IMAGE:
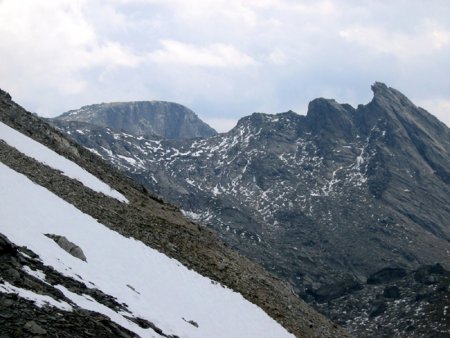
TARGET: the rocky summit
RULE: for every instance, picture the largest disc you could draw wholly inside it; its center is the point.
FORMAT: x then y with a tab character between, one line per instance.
324	200
165	119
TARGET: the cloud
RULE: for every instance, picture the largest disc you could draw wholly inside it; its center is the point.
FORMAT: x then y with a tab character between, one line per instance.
213	55
50	43
222	58
430	39
278	57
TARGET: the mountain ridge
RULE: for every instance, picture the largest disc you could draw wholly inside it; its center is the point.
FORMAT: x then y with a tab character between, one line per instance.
321	199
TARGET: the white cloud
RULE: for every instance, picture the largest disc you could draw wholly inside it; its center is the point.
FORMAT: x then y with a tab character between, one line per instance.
278	57
213	55
427	41
50	43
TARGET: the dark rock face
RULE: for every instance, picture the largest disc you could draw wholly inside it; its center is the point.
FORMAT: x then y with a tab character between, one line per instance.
165	119
400	307
321	199
386	275
328	292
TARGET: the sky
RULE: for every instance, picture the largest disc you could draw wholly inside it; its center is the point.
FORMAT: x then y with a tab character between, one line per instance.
224	59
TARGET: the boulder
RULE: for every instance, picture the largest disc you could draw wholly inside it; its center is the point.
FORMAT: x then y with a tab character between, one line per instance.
34	328
335	290
68	246
386	275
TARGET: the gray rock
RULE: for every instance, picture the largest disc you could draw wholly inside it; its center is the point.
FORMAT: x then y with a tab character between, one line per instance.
386	275
32	327
68	246
336	290
13	274
164	119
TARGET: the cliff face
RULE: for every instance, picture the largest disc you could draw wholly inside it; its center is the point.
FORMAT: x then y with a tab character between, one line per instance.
165	119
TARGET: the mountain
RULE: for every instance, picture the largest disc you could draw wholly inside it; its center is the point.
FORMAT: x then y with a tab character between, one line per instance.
86	251
166	119
324	200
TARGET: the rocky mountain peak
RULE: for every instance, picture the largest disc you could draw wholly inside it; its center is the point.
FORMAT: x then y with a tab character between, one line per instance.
382	91
331	119
379	88
266	128
411	130
165	119
390	102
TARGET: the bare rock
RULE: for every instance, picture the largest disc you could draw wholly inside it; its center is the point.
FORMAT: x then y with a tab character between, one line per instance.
68	246
34	328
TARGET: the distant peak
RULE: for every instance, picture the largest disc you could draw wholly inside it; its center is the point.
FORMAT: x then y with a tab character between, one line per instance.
378	87
380	90
166	119
322	103
384	94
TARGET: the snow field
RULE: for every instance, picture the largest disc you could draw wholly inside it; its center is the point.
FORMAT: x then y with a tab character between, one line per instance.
41	153
165	292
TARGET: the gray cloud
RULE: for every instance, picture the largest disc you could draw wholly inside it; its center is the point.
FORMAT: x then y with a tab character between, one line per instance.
223	59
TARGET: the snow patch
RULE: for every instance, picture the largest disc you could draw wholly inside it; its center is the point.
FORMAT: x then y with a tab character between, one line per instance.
41	153
39	300
130	160
35	273
192	215
89	303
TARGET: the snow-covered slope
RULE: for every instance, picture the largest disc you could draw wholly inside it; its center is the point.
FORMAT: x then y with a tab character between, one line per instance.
47	156
153	286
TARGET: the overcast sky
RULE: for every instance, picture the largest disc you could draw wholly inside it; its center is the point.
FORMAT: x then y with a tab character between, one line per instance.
224	59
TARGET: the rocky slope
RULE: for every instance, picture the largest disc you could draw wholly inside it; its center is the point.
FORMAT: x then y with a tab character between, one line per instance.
165	119
320	200
393	303
144	217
